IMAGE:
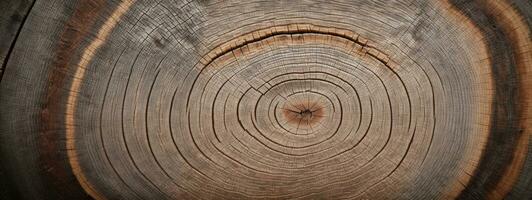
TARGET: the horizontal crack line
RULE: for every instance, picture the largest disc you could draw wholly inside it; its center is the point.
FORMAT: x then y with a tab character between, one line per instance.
251	38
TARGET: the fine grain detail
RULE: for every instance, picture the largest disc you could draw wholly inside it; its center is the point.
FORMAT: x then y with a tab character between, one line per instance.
264	99
70	123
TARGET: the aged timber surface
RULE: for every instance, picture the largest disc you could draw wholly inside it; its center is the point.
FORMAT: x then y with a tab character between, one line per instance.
13	16
262	99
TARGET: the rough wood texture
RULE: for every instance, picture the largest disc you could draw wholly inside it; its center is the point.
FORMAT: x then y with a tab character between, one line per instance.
262	99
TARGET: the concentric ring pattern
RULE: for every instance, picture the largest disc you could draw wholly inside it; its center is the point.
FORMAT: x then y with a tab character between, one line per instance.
273	100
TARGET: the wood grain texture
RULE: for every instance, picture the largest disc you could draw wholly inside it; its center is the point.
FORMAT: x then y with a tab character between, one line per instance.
14	14
260	99
11	20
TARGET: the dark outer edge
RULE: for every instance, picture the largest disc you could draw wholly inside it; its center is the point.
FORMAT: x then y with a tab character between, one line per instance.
52	136
504	128
523	187
12	20
504	119
11	23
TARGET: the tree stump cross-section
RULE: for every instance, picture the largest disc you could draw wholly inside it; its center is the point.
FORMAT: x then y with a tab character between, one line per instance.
263	99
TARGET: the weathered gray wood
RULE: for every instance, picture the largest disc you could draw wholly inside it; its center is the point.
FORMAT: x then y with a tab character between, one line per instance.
12	19
344	99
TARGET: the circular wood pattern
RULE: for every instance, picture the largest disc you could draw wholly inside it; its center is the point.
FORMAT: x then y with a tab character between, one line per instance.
261	99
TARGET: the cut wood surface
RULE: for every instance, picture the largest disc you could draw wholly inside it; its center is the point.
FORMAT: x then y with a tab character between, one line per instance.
262	99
